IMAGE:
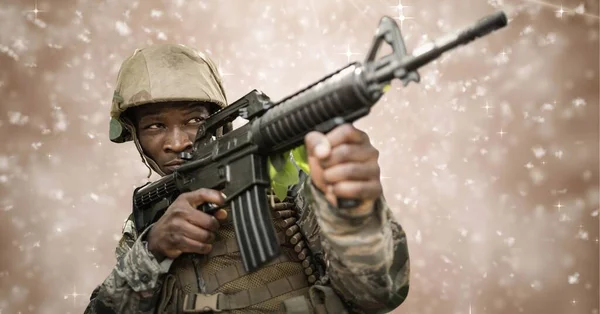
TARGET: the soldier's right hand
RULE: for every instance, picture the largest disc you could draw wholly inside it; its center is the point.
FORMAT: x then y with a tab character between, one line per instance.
185	229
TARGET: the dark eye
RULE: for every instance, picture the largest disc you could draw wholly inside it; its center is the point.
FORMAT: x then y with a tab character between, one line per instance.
154	126
195	120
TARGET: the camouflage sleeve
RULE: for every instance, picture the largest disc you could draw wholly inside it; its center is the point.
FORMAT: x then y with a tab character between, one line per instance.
134	283
366	260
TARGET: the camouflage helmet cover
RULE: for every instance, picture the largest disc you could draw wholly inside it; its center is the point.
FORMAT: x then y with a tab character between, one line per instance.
162	73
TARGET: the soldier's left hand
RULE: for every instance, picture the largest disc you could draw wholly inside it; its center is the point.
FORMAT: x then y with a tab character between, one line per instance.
344	163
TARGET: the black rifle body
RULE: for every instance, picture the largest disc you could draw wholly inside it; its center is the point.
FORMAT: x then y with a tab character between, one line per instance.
237	162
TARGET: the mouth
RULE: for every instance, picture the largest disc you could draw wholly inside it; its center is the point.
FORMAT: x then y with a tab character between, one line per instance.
174	164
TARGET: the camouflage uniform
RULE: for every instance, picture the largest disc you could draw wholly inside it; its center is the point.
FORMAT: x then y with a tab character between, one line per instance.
361	265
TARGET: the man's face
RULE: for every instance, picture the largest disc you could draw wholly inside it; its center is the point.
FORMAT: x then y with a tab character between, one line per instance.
167	129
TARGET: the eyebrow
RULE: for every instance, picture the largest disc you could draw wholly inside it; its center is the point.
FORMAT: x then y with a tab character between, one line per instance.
188	108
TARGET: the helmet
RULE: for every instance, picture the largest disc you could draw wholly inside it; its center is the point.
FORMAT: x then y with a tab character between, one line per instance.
162	73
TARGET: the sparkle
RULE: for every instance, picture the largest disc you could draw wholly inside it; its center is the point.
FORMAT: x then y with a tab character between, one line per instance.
487	107
559	205
35	10
502	57
401	17
501	133
349	53
400	7
560	12
73	295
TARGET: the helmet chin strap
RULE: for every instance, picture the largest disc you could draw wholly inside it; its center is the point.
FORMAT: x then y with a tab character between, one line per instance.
148	162
152	166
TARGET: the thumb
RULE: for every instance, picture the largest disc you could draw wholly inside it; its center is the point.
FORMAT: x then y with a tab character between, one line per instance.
317	145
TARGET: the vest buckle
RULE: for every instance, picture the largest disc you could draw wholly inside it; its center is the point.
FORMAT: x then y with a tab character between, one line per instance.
201	303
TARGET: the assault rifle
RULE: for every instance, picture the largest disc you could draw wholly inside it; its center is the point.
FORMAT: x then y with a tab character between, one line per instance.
237	162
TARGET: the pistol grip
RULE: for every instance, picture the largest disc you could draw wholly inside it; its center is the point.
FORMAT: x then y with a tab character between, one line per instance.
209	208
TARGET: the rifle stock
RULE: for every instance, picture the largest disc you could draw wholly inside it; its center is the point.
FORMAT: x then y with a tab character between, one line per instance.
236	163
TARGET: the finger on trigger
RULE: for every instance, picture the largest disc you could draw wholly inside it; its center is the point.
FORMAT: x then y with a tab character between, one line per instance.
317	145
200	196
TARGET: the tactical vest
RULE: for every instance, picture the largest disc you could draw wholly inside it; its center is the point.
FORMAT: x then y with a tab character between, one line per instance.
217	282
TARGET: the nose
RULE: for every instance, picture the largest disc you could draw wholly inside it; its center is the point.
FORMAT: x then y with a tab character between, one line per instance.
177	141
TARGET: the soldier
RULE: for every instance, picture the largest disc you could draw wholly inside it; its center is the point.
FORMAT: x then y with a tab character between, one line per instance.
331	261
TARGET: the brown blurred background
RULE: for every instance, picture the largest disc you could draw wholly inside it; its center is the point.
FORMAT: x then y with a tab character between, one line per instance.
490	163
